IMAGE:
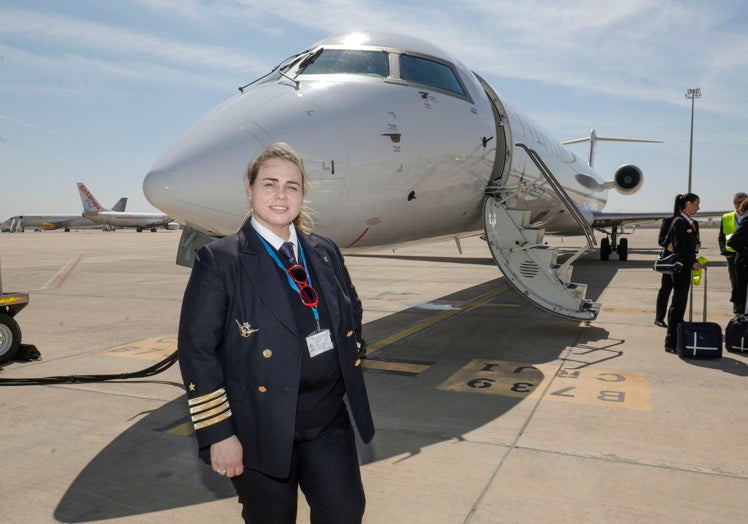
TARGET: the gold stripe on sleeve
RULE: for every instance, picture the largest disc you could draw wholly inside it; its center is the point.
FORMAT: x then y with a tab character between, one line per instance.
214	420
207	414
212	403
206	398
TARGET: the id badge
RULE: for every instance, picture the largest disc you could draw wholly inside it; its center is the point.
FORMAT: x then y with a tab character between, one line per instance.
319	342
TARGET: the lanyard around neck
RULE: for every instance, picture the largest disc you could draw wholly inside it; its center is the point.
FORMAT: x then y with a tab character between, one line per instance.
280	264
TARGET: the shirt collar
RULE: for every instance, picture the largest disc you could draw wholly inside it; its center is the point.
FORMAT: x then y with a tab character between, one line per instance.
690	220
273	239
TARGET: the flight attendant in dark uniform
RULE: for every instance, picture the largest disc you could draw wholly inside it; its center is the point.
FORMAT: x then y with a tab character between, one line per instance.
684	238
269	340
666	281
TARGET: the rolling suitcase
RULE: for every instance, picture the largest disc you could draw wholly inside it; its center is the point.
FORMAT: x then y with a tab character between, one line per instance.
736	333
699	339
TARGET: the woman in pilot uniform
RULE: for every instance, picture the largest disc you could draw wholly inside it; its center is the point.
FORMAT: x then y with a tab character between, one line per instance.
269	339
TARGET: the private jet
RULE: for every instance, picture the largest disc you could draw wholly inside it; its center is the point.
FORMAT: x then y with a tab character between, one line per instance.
404	144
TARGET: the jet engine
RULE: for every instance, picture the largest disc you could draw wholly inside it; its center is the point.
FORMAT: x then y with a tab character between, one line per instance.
627	180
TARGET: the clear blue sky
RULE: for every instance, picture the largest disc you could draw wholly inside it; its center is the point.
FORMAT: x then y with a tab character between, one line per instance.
95	90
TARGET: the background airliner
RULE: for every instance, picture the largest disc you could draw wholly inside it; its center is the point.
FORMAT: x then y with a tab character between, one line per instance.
48	222
405	144
96	213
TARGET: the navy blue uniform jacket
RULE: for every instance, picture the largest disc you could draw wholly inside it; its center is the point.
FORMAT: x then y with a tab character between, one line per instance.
238	346
685	237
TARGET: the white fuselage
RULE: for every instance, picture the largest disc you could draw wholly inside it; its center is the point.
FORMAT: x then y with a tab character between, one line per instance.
124	219
51	221
393	159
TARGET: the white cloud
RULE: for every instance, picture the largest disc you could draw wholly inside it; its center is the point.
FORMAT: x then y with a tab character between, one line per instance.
99	38
636	49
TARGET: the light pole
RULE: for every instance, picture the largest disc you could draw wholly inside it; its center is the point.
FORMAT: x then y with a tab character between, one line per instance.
691	94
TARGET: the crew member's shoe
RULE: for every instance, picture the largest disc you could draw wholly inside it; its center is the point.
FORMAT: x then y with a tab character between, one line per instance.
669	345
660	323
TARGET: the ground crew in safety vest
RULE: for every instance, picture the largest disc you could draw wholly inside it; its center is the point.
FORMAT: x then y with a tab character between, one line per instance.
727	227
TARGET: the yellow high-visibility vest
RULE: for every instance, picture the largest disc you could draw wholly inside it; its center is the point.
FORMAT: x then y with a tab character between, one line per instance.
729	225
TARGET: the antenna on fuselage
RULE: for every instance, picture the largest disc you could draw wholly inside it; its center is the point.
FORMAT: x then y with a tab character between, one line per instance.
594	138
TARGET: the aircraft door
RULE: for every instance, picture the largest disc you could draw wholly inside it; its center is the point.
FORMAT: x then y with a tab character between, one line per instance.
518	248
502	138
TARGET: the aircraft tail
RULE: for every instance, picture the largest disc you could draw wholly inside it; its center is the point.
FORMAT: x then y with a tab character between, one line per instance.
91	206
593	138
120	205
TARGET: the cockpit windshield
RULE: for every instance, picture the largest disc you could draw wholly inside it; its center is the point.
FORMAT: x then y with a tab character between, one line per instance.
348	62
407	68
428	72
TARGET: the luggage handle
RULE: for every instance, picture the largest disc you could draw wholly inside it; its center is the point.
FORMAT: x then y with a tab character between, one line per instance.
690	302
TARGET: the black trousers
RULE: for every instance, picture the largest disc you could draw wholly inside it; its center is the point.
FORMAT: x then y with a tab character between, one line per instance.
740	288
681	287
666	286
327	471
731	270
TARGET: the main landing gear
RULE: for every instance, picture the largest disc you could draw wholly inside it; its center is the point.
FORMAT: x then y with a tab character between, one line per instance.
608	245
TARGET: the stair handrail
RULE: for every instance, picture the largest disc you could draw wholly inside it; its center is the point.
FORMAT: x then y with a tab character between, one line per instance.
561	192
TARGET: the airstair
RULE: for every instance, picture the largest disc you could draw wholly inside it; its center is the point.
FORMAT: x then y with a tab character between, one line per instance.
16	225
529	265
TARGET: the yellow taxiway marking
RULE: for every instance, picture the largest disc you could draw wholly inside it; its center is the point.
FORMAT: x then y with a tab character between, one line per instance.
408	368
156	349
637	311
420	326
599	387
184	429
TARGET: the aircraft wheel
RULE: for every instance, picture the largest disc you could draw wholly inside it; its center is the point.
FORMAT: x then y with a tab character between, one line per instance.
623	249
605	249
10	338
139	230
153	230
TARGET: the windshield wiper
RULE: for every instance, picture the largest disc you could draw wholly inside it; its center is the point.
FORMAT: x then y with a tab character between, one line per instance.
289	61
310	58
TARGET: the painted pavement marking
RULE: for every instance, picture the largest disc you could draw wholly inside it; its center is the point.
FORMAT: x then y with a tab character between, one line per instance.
156	349
599	387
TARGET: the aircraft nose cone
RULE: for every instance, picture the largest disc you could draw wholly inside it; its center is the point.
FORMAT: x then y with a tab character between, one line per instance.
157	188
199	179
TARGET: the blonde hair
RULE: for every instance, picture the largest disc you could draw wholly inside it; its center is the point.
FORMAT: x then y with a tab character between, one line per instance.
282	151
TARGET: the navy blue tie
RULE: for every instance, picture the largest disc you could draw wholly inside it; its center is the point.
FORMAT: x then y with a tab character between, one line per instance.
287	250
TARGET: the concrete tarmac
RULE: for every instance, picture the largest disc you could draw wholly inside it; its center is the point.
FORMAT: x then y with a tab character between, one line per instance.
487	409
